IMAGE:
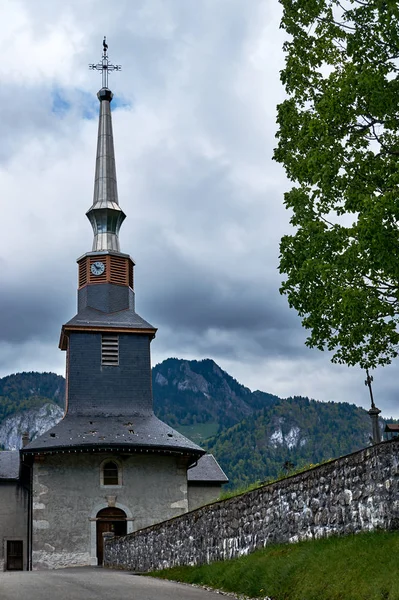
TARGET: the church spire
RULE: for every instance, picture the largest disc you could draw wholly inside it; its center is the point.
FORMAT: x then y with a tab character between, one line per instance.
105	215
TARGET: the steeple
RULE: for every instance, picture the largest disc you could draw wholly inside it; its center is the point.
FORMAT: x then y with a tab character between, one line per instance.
109	403
105	214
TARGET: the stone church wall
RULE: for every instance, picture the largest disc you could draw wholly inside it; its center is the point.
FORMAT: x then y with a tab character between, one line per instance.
67	495
355	493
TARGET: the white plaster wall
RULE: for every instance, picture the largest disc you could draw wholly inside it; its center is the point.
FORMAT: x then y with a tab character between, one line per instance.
198	495
67	494
13	517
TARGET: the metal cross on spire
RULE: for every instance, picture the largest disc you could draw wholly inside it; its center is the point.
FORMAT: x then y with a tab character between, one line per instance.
105	66
368	382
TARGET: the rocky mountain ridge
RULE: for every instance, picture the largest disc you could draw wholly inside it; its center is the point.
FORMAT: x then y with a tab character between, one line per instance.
35	421
200	391
252	434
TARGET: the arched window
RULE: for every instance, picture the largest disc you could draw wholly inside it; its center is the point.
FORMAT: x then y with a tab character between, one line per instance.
111	473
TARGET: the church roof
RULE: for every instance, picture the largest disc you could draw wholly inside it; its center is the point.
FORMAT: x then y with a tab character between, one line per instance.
9	464
119	433
207	470
124	318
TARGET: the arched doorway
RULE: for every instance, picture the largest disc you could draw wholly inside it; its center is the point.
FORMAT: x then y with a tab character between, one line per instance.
109	519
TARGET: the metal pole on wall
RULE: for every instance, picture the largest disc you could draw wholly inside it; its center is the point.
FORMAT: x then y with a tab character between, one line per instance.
373	412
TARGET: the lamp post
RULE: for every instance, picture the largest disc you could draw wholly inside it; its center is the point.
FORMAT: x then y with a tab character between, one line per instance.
373	412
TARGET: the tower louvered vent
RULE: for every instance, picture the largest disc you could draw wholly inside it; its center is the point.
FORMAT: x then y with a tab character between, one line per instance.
110	350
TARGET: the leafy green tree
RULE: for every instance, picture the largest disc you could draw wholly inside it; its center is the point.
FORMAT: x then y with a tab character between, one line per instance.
339	143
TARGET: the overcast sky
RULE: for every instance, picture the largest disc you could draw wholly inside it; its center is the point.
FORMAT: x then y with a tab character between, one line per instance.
194	116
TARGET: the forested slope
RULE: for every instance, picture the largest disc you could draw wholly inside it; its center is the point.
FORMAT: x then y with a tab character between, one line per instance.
254	435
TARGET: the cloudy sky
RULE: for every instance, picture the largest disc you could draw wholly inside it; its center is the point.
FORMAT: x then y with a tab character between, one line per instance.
194	124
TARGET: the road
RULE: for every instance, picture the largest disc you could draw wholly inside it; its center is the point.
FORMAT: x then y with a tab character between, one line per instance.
93	584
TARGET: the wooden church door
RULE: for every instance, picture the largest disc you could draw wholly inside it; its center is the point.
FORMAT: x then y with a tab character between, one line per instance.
109	519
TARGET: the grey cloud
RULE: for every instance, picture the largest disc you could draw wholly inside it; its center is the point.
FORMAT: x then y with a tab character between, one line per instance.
30	312
33	115
28	114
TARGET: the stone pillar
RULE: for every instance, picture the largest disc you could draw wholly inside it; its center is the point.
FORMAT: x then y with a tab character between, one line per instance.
374	412
107	535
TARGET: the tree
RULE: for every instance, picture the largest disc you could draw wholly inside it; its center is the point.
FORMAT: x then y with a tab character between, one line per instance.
338	139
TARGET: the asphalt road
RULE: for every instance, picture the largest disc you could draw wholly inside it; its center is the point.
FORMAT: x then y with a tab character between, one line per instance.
93	584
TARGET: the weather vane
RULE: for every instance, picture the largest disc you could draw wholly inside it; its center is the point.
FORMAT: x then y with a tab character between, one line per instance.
105	66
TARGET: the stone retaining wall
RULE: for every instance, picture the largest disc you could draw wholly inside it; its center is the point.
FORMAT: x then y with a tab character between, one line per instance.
358	492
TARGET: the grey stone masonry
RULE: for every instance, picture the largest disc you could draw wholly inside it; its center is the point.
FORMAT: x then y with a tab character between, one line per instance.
358	492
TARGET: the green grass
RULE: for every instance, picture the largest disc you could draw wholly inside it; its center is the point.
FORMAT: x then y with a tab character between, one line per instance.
198	432
357	567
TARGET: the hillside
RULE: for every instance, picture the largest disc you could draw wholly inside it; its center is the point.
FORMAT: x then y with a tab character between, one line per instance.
254	435
23	391
29	402
292	433
188	393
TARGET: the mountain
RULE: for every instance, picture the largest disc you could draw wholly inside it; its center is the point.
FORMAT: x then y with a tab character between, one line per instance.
190	393
23	391
30	402
292	433
252	434
35	420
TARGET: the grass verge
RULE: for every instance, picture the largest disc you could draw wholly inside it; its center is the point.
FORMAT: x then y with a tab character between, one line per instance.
357	567
238	491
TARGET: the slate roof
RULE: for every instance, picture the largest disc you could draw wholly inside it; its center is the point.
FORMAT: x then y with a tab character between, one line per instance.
392	427
122	432
9	464
207	470
124	318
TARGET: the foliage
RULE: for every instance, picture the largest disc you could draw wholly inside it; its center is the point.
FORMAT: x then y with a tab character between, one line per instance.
21	386
198	432
339	142
9	407
23	391
356	567
191	392
297	430
283	474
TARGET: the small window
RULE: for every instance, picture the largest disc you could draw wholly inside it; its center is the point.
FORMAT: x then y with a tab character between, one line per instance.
110	350
110	473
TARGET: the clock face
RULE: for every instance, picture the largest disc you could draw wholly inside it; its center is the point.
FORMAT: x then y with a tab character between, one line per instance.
97	268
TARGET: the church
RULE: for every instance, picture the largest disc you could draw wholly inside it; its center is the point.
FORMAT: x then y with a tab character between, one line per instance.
110	465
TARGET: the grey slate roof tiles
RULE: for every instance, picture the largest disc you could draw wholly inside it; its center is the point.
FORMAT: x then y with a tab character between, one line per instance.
207	470
132	433
123	318
9	464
